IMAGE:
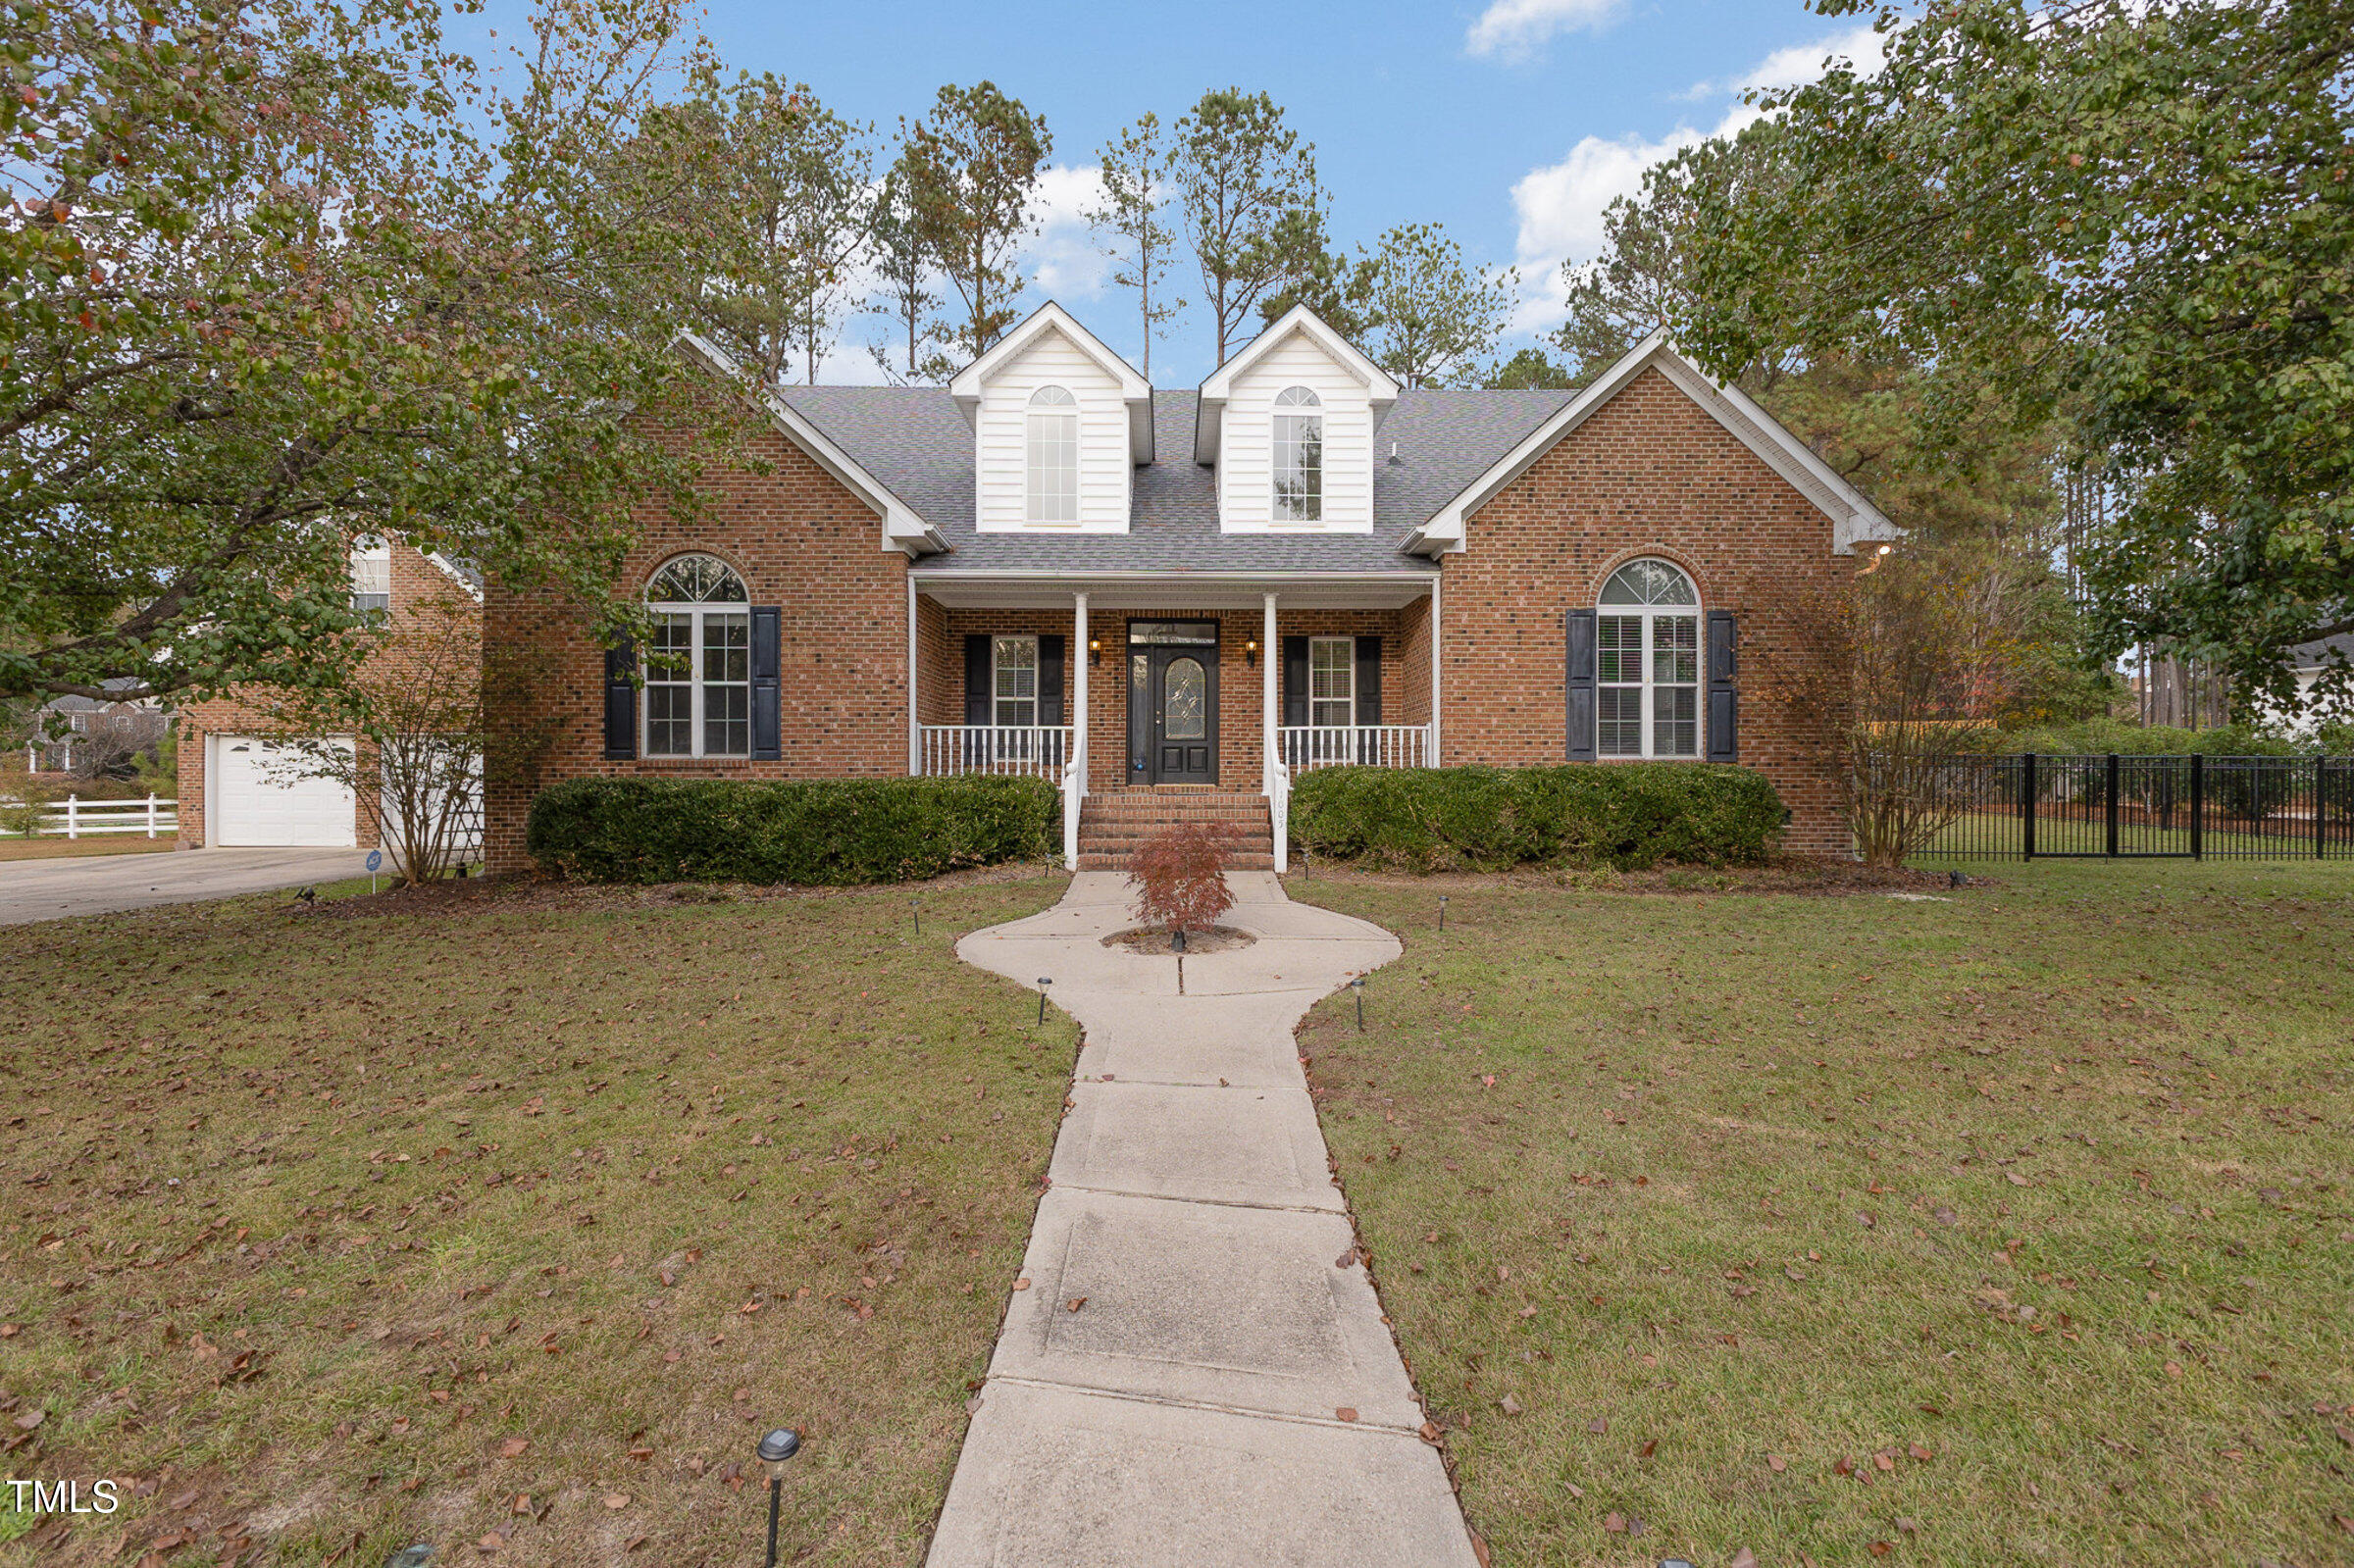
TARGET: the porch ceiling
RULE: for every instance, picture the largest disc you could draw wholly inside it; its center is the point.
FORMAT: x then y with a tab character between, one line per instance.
1173	590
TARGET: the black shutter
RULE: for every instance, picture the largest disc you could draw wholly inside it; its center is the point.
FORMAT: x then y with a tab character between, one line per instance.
621	703
768	636
979	709
1724	698
1294	681
1581	731
1050	680
1368	696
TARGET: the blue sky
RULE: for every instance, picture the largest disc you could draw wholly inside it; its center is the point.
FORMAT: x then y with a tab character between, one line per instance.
1512	124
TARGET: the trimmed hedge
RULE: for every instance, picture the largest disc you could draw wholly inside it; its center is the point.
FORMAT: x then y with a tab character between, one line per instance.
830	831
1625	814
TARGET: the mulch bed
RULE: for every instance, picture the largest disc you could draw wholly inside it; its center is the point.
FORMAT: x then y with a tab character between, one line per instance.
1151	941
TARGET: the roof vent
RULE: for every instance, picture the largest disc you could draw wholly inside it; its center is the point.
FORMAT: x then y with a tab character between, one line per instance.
1393	451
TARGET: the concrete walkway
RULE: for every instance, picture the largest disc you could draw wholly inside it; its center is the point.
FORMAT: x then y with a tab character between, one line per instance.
1197	1373
100	884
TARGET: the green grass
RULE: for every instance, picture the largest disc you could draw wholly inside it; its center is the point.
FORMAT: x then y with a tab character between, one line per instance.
315	1217
61	847
2012	1228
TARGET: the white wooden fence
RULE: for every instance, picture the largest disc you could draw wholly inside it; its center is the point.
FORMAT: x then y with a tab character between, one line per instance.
76	817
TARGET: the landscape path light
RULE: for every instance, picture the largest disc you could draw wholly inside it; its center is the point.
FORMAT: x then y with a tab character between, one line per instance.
1044	982
915	912
1442	911
1359	986
775	1449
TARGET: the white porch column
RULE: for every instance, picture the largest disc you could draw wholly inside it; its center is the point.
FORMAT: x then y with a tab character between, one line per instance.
1080	662
1432	760
1270	654
915	733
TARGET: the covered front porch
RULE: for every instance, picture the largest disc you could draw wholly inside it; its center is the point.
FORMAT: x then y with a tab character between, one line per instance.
1173	681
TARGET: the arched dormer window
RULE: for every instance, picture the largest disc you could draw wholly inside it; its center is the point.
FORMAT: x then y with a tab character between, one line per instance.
699	676
1647	663
1298	439
1051	486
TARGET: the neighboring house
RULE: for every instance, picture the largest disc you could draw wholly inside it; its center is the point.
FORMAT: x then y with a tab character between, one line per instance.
113	726
2311	659
242	786
1050	567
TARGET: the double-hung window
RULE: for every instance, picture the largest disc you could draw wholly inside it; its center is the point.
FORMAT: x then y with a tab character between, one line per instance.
1014	663
1051	486
1647	663
1331	682
698	663
371	572
1298	439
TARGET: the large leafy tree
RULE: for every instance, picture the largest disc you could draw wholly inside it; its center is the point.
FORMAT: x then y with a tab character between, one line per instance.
1243	180
2140	215
971	168
1135	170
277	274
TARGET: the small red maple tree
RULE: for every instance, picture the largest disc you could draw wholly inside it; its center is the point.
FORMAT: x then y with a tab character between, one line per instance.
1182	875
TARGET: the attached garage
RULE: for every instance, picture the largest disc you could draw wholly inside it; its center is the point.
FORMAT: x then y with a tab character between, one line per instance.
257	800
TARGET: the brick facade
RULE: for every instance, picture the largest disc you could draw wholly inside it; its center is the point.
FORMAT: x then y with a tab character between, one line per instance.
1646	474
801	541
415	581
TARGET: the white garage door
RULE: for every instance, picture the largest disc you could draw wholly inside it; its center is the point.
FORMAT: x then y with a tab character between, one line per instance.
258	801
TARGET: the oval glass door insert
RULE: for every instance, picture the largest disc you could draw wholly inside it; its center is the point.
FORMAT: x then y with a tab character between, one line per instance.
1185	701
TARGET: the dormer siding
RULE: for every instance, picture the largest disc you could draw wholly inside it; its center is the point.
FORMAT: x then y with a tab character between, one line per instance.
1001	434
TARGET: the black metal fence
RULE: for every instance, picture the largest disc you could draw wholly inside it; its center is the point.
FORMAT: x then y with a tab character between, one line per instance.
2196	807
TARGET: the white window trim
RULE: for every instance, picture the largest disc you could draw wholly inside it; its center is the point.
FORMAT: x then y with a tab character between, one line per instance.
699	615
1278	512
996	718
1648	615
371	572
1349	667
1063	410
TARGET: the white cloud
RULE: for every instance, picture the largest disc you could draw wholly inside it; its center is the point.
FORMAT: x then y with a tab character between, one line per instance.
1560	206
1804	62
1061	256
1515	30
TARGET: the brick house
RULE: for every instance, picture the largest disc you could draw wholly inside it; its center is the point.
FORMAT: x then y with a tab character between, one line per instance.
1175	602
239	782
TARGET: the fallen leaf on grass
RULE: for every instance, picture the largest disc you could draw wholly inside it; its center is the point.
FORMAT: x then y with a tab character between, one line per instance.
1920	1451
1508	1406
1879	1549
1883	1460
1615	1523
1021	1285
1597	1426
617	1501
1777	1464
513	1447
632	1544
2174	1369
1744	1558
33	1418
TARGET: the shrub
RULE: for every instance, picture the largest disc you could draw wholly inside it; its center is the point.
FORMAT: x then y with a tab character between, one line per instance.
2094	738
1183	875
819	832
1623	815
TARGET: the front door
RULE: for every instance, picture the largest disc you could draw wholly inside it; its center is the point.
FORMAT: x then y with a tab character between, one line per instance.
1174	703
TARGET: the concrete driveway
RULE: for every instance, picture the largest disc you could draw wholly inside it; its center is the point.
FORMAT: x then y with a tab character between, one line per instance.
53	889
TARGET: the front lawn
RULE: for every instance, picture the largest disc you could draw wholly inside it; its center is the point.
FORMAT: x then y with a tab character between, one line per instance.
509	1226
2010	1227
47	849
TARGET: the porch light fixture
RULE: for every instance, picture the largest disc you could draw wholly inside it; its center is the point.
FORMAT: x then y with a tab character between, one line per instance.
775	1449
1251	652
1095	651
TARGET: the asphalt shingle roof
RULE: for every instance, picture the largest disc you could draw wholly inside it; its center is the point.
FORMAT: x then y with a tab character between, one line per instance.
914	440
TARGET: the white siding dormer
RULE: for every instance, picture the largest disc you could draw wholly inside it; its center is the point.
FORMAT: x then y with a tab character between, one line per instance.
1055	416
1297	381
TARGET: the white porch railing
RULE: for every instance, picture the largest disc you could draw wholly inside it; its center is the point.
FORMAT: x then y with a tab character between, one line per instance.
76	817
1369	745
1039	751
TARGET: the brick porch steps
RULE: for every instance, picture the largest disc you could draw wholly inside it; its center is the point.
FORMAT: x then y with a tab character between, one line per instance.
1113	824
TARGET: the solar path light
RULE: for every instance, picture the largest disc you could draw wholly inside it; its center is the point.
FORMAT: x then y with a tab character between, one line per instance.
775	1449
1043	983
1359	986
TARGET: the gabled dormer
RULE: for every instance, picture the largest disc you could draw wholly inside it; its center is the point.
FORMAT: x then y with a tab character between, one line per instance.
1061	424
1288	422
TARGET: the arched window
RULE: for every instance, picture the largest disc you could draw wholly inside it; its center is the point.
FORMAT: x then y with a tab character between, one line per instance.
1053	457
1299	438
699	675
1647	663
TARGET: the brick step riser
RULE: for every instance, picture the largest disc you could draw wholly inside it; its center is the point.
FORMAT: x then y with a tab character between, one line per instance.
1088	862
